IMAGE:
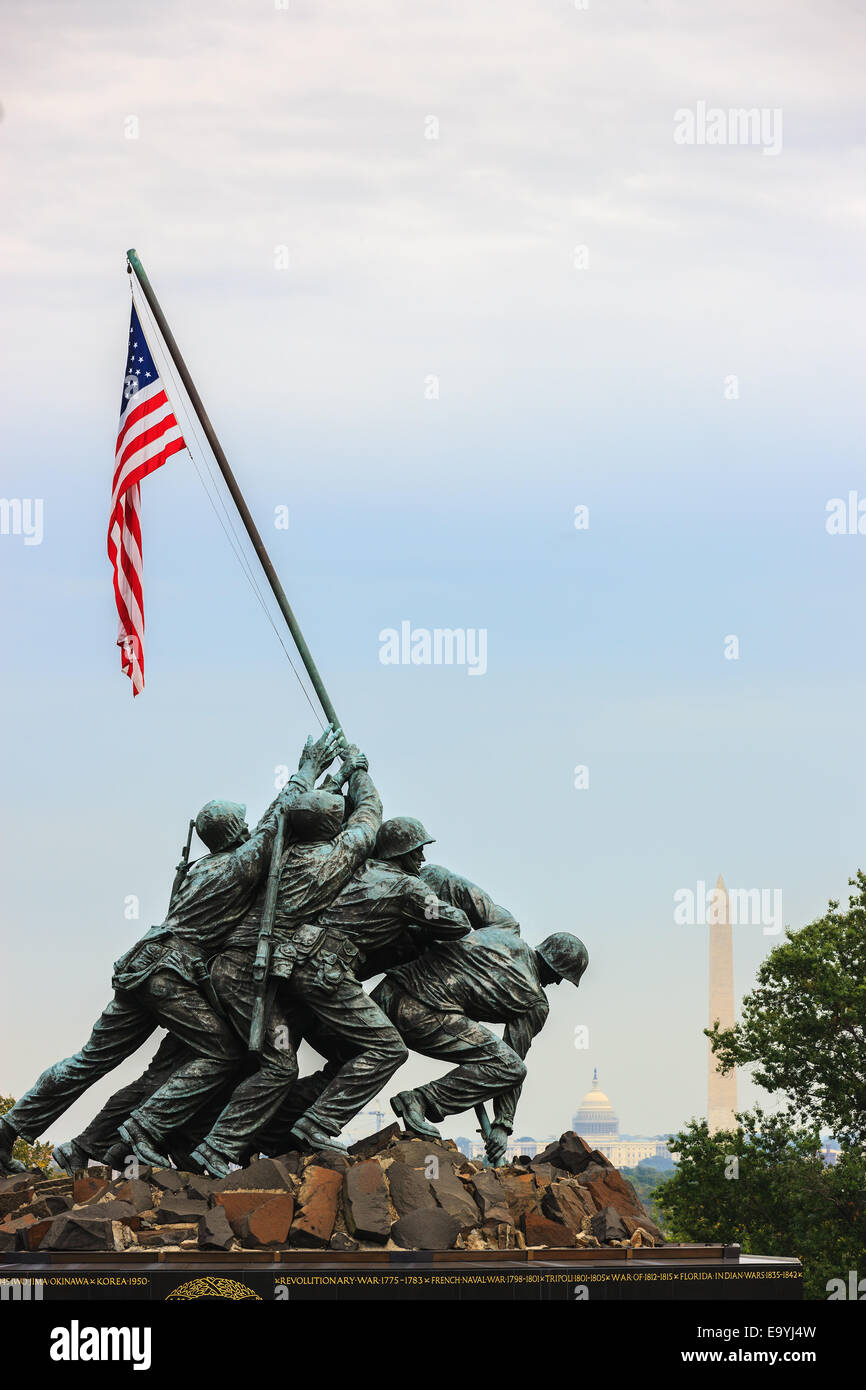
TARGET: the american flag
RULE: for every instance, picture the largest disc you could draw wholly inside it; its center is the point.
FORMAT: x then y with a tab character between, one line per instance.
148	434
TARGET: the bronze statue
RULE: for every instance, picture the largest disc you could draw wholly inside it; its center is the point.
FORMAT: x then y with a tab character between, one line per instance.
267	940
439	1000
353	898
163	981
438	1003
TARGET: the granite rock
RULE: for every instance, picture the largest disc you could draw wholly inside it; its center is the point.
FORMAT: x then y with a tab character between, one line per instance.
426	1230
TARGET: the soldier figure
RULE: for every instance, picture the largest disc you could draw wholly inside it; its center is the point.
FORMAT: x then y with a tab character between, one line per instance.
440	1002
384	904
310	963
389	907
386	913
162	981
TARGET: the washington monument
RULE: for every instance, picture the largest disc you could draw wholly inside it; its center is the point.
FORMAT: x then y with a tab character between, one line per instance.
721	1090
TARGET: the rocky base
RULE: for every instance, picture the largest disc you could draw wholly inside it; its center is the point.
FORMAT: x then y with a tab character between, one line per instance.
392	1192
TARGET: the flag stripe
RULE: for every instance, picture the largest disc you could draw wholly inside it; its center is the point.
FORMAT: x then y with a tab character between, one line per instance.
148	434
139	408
146	460
148	430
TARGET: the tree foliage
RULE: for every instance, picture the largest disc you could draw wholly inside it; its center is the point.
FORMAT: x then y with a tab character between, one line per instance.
804	1025
765	1187
33	1155
645	1182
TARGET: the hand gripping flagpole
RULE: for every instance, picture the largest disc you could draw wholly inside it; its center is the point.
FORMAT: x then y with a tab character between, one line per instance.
285	607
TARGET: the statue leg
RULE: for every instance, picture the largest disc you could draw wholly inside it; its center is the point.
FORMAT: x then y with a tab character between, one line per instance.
367	1039
486	1064
256	1099
101	1135
277	1136
121	1028
217	1055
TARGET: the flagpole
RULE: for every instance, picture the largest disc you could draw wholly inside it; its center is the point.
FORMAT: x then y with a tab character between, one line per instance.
135	267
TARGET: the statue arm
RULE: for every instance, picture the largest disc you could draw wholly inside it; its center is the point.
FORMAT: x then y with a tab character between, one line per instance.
251	859
500	917
478	905
356	842
483	911
439	919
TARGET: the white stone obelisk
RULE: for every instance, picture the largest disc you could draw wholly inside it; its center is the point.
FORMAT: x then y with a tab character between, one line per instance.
721	1090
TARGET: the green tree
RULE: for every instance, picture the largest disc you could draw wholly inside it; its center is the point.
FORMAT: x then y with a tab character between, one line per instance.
33	1155
804	1025
645	1182
765	1187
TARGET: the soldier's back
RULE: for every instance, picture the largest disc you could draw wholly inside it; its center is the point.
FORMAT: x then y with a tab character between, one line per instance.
488	975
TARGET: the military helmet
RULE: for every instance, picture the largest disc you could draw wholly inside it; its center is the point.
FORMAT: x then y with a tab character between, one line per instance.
566	954
400	835
219	823
317	815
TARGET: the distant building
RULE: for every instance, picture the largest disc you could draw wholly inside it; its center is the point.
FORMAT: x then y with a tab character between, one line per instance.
595	1117
527	1145
663	1160
474	1148
596	1121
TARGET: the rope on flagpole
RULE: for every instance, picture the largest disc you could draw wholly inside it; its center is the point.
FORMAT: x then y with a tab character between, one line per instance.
231	534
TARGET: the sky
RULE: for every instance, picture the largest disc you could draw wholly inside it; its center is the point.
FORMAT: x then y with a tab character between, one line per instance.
444	275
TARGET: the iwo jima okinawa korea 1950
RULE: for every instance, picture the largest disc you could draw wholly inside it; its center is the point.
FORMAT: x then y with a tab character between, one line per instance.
270	936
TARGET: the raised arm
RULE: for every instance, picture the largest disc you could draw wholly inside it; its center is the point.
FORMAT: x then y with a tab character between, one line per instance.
251	858
358	838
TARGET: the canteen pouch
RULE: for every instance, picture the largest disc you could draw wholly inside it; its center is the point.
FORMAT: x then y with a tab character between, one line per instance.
293	948
335	958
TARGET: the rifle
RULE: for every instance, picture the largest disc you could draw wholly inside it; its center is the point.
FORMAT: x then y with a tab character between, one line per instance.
262	962
181	870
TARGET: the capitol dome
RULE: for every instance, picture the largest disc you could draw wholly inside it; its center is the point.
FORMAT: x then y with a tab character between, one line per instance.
595	1117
